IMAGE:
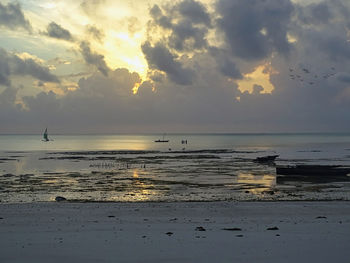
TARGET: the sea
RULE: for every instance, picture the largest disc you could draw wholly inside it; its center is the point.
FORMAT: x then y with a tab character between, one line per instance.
189	167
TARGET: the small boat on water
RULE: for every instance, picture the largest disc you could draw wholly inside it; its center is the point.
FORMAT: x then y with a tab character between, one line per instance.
313	170
162	140
46	136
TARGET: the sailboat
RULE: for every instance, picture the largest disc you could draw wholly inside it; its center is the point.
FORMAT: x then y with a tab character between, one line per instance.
162	140
46	136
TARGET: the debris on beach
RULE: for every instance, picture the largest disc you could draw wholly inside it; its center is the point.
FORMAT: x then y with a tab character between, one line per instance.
232	229
60	199
200	228
269	159
270	192
8	175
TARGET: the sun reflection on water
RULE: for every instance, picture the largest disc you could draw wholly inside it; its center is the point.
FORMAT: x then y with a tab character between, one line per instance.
257	183
139	189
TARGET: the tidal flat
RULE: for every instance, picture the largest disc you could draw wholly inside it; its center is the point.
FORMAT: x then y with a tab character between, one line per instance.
162	176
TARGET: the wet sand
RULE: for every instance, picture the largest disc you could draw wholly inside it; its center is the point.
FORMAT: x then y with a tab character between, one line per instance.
175	232
129	176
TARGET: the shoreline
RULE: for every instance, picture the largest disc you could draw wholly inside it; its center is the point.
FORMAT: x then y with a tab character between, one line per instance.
177	202
261	231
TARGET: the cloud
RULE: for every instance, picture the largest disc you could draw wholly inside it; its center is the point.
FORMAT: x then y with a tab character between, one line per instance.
343	77
93	58
195	11
4	68
188	22
315	13
95	32
12	17
56	31
32	68
254	29
90	6
8	97
225	63
11	64
160	58
134	25
160	19
194	87
98	101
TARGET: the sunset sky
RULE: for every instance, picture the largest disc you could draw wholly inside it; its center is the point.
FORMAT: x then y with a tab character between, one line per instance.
122	66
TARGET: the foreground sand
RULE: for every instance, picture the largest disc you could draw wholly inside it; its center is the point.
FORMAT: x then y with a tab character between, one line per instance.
169	232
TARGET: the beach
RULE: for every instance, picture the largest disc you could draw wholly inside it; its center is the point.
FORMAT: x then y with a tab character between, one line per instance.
175	232
128	199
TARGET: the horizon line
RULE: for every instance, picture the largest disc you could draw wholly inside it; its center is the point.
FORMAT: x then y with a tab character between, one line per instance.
190	133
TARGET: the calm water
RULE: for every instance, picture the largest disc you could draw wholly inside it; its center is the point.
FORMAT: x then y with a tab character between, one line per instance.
146	142
135	168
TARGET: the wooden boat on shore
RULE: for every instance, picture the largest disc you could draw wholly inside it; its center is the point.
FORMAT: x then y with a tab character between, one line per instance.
313	170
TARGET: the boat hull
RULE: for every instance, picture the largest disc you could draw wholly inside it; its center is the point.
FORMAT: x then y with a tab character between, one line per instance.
313	170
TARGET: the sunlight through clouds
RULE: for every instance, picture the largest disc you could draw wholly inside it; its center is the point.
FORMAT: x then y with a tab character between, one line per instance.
259	77
204	64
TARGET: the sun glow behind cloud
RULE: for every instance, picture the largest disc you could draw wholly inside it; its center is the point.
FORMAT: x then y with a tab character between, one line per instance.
123	50
260	76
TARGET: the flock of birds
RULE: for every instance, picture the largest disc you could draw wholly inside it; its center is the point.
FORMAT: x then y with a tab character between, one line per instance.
304	75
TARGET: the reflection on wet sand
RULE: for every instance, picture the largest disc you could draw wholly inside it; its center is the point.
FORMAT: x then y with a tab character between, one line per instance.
205	175
139	190
257	184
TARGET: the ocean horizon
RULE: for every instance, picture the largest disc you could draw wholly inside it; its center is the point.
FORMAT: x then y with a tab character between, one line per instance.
146	141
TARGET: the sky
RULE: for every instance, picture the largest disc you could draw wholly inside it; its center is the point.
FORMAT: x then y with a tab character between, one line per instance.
208	66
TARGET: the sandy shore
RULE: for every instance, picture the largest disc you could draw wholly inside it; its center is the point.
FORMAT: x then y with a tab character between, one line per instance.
174	232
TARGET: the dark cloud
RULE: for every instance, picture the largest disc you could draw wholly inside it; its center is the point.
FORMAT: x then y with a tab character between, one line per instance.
56	31
337	47
328	41
186	36
160	19
4	68
12	17
225	63
8	97
11	64
315	13
160	58
95	32
343	77
195	11
188	22
254	28
99	100
93	58
30	67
